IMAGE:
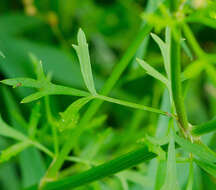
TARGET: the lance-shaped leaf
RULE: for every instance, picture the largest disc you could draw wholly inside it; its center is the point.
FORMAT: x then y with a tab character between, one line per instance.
153	72
70	116
164	48
84	59
13	150
171	182
199	150
204	128
7	131
207	166
37	67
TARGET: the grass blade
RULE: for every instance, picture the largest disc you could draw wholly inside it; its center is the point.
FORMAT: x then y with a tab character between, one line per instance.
107	169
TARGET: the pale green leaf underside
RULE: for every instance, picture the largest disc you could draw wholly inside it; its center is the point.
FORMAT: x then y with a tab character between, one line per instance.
164	48
171	182
84	59
153	72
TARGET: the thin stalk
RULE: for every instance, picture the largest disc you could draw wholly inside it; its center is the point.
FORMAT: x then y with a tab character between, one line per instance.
132	105
53	127
176	82
192	40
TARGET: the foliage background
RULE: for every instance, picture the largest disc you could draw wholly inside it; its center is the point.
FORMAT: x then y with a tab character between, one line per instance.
47	28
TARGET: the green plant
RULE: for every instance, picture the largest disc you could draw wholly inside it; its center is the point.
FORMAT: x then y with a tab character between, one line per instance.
71	124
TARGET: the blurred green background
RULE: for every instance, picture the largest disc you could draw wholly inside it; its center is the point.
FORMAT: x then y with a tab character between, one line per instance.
47	28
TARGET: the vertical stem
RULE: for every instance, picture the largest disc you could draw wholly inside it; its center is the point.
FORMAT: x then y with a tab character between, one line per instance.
192	40
53	127
176	81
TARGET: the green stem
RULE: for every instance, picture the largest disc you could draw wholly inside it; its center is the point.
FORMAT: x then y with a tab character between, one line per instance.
176	81
192	40
132	105
53	127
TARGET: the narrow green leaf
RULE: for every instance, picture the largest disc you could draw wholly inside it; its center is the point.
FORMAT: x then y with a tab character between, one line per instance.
171	182
186	49
34	96
25	82
107	169
7	131
70	116
207	166
190	177
45	87
204	128
199	150
13	150
84	59
153	72
37	67
164	50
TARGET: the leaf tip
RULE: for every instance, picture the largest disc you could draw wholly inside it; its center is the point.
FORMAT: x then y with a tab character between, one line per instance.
81	37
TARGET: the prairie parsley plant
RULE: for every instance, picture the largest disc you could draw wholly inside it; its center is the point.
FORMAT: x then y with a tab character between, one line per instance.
155	148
